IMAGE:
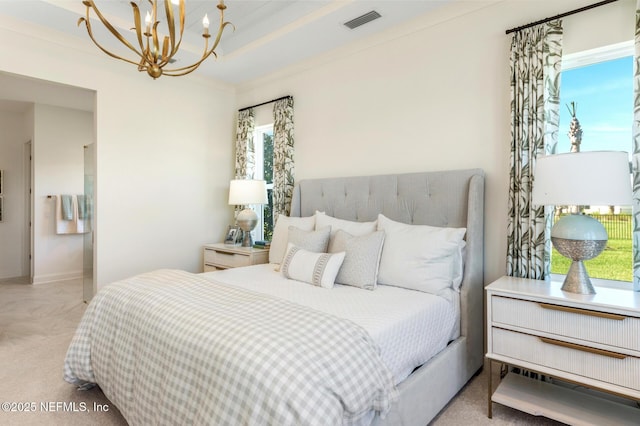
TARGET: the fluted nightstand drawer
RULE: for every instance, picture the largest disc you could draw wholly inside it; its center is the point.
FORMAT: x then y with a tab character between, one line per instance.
593	326
607	366
221	256
225	259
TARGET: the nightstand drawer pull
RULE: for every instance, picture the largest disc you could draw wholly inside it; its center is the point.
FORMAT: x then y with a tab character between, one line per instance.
582	348
582	311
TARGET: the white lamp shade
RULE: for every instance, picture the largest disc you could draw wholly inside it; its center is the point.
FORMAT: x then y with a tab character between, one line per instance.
599	178
247	191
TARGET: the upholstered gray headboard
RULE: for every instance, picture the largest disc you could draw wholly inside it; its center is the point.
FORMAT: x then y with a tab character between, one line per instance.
452	198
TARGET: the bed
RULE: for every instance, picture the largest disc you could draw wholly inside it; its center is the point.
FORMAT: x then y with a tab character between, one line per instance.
295	379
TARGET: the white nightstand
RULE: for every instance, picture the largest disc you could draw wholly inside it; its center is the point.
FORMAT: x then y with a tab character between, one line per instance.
221	256
585	341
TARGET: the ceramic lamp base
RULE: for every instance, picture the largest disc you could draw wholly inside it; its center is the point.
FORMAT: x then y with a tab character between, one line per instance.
247	220
578	237
577	280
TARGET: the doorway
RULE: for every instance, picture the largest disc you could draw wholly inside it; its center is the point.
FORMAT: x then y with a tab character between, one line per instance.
38	124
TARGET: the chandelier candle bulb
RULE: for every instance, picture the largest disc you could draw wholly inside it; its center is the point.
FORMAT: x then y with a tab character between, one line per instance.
205	24
147	20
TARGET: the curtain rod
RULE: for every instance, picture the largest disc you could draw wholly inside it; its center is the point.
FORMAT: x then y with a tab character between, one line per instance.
264	103
562	15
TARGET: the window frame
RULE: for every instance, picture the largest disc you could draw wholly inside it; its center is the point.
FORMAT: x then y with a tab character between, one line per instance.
599	54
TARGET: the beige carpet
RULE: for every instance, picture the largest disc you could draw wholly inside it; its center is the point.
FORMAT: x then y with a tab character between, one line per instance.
36	326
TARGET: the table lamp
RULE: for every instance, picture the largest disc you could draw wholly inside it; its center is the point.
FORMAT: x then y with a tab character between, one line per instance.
243	192
597	178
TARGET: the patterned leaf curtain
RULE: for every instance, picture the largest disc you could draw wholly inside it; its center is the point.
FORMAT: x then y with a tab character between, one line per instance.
245	149
283	166
635	158
536	55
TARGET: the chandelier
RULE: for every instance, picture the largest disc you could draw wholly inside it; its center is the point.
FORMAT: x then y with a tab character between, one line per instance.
152	58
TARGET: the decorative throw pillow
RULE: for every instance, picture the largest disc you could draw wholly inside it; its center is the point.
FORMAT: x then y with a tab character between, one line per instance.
315	241
280	236
361	260
318	269
353	228
420	257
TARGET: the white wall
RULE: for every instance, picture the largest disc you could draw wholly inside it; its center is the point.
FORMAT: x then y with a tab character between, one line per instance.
58	165
430	95
164	151
12	228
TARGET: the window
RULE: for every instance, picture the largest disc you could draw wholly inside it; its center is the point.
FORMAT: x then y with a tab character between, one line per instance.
600	84
263	143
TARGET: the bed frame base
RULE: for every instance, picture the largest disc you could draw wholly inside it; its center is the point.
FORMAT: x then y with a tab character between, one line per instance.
430	388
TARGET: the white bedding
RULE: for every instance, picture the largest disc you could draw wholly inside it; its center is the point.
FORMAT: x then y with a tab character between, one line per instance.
409	326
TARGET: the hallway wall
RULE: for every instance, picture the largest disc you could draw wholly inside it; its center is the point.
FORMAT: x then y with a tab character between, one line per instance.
13	226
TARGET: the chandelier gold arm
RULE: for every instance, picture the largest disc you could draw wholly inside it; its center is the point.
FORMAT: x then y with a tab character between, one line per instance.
152	56
221	27
171	40
146	57
102	48
177	71
156	44
175	46
165	48
137	22
90	4
153	61
171	23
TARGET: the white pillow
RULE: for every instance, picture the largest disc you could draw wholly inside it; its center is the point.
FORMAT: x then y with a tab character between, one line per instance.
280	236
354	228
361	260
420	257
319	269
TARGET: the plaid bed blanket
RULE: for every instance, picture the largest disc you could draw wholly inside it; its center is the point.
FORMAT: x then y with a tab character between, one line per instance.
171	347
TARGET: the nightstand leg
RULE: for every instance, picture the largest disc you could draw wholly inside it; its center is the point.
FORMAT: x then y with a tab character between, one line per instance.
489	404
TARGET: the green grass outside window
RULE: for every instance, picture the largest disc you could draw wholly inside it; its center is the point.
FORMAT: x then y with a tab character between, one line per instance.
614	263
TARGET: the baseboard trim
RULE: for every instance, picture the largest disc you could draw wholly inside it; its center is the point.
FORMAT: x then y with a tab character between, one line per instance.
17	280
50	278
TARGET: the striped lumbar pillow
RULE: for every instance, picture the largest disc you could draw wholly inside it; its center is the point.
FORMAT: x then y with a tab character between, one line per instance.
319	269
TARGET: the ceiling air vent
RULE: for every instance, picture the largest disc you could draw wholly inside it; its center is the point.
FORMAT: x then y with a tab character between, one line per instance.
361	20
